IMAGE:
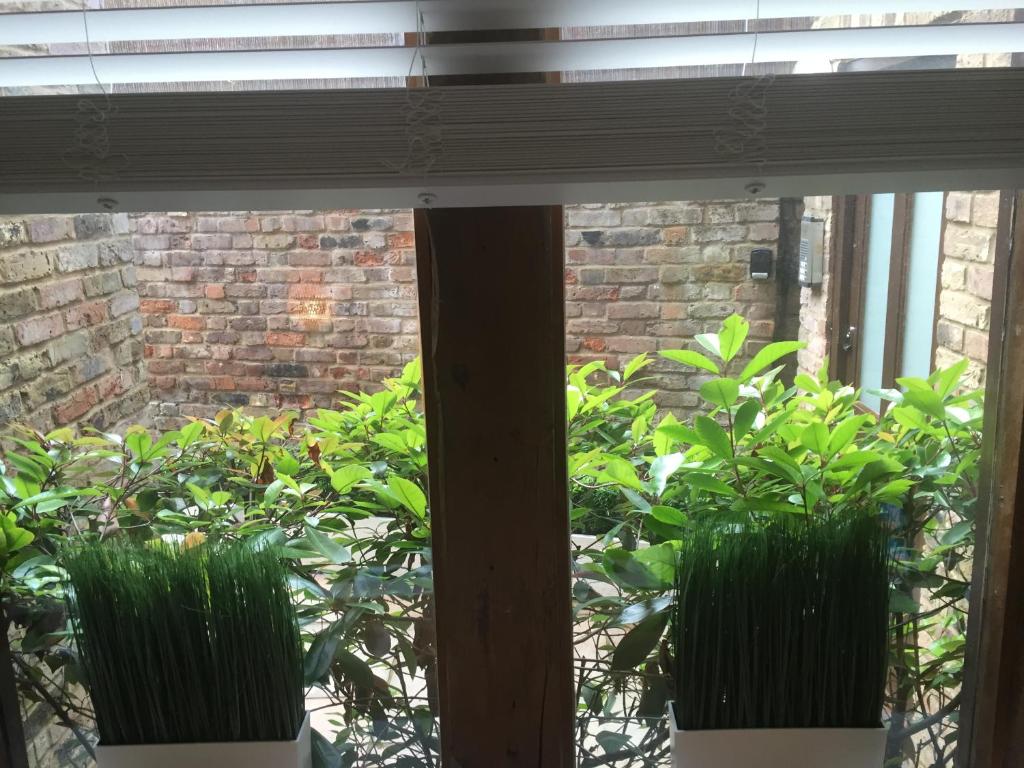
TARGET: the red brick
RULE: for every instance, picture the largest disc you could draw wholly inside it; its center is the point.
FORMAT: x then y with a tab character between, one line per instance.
253	383
310	275
634	310
159	367
593	293
113	385
215	291
402	240
301	291
75	406
187	322
595	344
85	315
157	306
676	236
368	259
285	339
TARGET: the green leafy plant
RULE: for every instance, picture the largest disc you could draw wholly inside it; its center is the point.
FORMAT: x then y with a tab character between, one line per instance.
186	645
783	624
342	500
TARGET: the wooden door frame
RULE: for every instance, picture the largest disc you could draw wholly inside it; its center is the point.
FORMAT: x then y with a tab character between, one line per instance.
896	302
847	263
992	719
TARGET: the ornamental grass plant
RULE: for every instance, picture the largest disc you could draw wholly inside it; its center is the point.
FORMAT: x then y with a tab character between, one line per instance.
186	645
783	624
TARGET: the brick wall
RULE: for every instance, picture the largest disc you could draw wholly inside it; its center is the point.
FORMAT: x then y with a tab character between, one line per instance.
965	301
644	277
814	300
70	350
273	310
282	310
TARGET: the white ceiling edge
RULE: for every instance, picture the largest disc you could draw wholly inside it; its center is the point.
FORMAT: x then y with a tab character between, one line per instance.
473	193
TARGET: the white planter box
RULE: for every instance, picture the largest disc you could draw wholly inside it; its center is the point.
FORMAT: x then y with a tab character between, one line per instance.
777	747
242	754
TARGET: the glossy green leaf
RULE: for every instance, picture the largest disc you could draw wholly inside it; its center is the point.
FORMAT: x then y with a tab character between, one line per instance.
345	478
330	549
713	436
668	515
706	482
744	418
815	438
689	357
637	363
768	355
408	495
662	468
679	433
720	392
620	471
958	533
732	335
638	644
320	655
926	401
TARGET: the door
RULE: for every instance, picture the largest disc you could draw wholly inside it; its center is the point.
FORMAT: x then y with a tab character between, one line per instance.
885	273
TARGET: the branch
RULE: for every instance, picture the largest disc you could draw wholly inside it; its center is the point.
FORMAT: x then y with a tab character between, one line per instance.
57	707
927	722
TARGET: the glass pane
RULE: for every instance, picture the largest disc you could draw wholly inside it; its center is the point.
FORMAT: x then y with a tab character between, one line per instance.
922	274
876	298
164	317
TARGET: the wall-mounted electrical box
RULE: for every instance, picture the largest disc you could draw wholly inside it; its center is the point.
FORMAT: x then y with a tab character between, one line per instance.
812	251
761	263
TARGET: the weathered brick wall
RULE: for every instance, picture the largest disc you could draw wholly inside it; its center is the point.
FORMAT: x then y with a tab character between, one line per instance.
272	310
70	347
814	300
644	277
965	300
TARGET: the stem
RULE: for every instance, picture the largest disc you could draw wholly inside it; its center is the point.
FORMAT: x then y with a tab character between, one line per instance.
58	709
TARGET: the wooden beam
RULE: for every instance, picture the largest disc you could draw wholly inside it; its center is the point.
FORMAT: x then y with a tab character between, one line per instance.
896	302
494	365
992	721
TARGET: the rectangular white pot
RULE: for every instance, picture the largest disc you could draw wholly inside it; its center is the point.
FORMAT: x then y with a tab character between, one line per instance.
241	754
777	747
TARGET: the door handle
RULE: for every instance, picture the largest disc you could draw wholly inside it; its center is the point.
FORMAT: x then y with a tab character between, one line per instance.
849	339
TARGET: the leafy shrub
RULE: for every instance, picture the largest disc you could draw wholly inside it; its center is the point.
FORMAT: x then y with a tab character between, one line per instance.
190	645
343	501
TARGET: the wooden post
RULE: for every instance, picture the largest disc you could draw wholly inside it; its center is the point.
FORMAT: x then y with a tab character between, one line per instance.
493	331
992	720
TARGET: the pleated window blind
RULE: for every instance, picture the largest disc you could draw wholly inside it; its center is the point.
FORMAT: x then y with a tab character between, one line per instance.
147	101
